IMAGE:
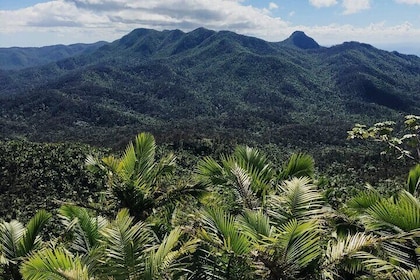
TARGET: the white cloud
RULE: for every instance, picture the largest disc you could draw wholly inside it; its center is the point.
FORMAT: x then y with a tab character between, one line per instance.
323	3
355	6
124	15
410	2
72	21
272	6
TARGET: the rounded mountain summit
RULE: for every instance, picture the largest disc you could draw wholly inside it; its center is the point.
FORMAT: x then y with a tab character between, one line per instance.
300	40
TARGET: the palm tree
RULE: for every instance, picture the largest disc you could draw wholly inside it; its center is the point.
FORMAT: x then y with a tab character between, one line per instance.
119	249
246	177
18	241
138	181
54	264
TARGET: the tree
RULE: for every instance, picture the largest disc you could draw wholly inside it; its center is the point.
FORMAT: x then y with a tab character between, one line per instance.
405	142
117	249
18	241
138	180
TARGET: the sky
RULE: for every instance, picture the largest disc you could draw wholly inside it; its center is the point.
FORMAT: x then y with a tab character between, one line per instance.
386	24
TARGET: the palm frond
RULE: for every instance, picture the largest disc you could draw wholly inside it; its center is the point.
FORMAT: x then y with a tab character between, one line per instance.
11	234
145	150
342	250
298	198
300	241
413	180
54	264
255	163
30	238
210	172
407	274
397	215
243	191
126	246
255	224
84	227
298	165
359	203
167	260
221	230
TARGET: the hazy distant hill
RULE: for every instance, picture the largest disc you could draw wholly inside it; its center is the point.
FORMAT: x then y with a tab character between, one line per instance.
207	84
19	58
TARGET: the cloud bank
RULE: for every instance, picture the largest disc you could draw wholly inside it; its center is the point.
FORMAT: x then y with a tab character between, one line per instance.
93	20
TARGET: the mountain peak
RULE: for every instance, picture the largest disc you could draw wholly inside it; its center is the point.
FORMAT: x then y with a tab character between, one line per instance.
302	41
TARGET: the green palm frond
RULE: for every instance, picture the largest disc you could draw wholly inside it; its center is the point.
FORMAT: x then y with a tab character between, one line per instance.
299	242
298	198
299	165
127	164
54	264
84	227
221	230
11	234
250	160
407	274
145	150
30	239
340	251
401	214
359	203
210	172
167	259
256	164
17	241
244	194
126	245
413	180
255	224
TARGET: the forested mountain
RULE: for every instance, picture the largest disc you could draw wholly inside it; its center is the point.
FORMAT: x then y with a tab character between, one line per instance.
18	58
207	84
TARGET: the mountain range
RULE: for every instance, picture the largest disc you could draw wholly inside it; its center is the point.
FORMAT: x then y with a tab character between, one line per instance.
203	85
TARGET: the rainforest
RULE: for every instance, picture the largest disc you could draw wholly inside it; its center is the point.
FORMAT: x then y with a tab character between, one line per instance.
209	155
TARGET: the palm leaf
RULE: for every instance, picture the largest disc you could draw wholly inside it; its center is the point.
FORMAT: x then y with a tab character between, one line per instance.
30	238
299	165
255	224
84	227
11	234
413	180
300	242
397	215
126	246
298	198
54	264
343	249
221	230
167	258
243	191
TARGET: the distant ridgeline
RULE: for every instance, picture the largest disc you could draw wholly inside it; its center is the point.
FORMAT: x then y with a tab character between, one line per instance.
203	85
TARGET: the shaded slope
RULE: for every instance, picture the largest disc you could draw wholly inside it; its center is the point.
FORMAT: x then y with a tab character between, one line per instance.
209	84
19	58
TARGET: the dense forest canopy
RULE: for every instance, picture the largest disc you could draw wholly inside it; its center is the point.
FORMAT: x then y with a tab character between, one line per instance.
261	160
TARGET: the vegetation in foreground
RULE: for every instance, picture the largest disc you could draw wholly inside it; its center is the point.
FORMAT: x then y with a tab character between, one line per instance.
239	217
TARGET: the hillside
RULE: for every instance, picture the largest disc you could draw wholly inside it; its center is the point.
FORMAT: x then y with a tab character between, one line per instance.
19	58
209	85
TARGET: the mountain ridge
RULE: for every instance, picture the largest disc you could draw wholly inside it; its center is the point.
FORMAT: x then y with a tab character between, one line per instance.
209	84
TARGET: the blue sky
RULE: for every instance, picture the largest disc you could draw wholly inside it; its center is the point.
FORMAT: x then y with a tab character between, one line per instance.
387	24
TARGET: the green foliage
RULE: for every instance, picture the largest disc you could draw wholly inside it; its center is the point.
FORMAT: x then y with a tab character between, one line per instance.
413	180
138	180
54	264
18	241
407	145
298	165
41	176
